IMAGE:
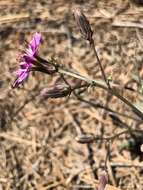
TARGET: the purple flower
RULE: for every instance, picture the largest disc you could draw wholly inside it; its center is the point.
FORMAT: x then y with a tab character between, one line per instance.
27	59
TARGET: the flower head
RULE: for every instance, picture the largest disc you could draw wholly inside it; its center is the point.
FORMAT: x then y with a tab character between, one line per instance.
27	59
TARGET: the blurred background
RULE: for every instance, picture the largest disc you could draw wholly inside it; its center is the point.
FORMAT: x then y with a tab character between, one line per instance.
38	138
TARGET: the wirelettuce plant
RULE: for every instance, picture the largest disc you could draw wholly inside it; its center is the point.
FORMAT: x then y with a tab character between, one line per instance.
31	61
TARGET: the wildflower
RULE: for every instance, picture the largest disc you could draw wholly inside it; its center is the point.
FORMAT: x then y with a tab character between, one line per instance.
26	60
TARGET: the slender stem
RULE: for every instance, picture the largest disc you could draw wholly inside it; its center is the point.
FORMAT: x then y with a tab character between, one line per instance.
119	134
99	63
99	84
97	105
102	85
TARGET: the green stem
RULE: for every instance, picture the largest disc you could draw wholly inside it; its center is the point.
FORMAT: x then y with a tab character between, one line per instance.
102	85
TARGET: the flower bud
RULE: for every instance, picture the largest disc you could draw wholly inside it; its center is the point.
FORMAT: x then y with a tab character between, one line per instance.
56	91
83	24
103	180
85	138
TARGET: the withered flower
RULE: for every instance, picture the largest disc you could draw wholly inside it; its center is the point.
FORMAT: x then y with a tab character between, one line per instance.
83	24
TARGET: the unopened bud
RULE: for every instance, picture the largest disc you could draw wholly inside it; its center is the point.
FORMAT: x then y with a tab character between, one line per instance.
56	91
85	138
83	24
103	180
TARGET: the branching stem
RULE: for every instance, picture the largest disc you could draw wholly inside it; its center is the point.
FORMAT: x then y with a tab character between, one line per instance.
102	85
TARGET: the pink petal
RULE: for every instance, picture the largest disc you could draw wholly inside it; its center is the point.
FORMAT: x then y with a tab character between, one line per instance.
34	43
24	65
19	72
23	76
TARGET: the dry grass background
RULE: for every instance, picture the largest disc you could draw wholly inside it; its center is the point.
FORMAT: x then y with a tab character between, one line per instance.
38	147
